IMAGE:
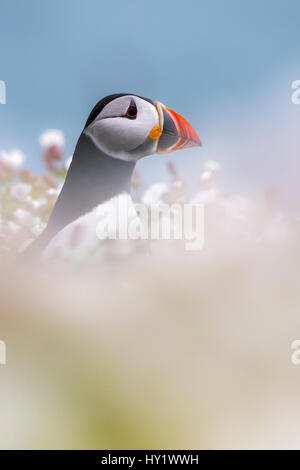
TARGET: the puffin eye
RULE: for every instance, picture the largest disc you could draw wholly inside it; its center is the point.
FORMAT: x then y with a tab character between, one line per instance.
131	112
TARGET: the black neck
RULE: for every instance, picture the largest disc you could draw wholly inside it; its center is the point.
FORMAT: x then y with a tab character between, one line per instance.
93	178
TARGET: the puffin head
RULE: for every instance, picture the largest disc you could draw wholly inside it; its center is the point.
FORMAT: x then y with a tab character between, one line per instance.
129	127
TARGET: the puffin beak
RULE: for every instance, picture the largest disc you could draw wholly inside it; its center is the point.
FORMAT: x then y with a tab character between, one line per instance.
177	133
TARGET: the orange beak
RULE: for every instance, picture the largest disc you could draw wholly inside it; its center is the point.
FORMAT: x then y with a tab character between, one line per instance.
177	132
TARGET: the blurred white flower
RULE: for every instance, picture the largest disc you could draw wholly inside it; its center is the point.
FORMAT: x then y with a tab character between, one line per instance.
207	175
24	218
21	191
212	165
178	184
13	158
54	191
37	203
13	227
154	194
209	192
38	227
52	137
208	196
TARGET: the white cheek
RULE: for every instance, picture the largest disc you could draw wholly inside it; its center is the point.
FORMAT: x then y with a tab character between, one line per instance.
119	136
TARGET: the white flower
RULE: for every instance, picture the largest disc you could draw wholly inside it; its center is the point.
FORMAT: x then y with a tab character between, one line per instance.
38	227
206	176
20	192
155	193
13	158
24	218
13	227
54	191
278	229
238	207
37	203
52	137
212	165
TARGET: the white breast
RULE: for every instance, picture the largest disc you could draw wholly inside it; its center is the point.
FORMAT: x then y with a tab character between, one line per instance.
86	236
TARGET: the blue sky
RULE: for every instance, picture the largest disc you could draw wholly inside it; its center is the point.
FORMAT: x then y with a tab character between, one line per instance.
214	61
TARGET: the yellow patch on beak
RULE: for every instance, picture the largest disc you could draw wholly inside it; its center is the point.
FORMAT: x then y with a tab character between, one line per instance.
155	132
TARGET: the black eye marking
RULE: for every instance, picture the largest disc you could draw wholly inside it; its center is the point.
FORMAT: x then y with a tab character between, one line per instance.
131	112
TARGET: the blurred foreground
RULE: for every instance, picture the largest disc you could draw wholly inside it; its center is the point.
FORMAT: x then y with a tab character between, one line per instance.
174	349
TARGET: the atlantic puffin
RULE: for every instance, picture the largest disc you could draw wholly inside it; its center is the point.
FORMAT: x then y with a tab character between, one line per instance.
120	130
